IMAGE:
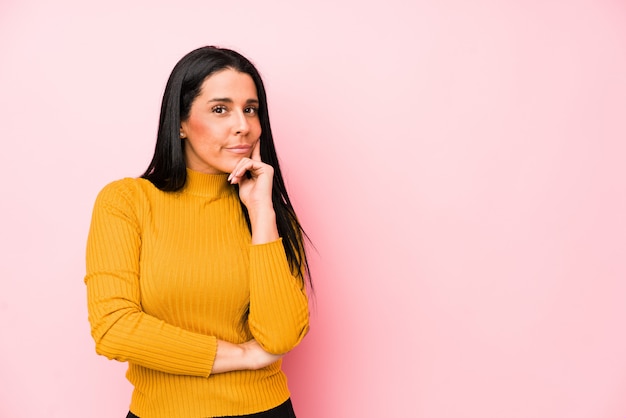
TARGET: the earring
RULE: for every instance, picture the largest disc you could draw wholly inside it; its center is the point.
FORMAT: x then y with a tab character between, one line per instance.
182	135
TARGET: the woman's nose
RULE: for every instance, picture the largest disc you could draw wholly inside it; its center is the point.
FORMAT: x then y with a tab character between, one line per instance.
241	125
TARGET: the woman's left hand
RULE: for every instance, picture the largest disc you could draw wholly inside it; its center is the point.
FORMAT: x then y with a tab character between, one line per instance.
255	179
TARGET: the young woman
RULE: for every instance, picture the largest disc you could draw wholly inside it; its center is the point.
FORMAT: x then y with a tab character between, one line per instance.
196	271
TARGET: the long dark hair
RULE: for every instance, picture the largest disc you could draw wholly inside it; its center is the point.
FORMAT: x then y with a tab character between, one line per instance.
168	170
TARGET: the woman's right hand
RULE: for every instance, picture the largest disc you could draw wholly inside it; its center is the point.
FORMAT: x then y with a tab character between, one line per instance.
257	357
246	356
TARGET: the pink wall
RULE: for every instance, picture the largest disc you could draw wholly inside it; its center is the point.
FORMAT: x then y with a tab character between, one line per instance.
459	165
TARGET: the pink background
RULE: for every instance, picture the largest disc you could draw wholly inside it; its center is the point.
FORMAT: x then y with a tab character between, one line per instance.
459	166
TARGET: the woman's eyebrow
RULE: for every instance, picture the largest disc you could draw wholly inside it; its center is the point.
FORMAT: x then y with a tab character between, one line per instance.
229	100
221	99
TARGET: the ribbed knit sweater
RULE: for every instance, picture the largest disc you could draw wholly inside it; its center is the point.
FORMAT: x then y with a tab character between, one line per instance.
169	273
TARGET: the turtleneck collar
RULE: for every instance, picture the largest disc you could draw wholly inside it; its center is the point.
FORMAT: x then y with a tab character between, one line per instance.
207	185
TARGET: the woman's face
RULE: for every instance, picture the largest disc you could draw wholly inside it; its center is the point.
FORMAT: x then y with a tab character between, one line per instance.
223	123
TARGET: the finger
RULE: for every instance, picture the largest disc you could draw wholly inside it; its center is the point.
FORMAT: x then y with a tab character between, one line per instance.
256	150
244	165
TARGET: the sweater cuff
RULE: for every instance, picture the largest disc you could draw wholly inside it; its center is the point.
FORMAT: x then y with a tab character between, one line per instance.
271	256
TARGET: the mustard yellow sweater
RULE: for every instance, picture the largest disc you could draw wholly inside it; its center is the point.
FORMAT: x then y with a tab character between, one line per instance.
169	273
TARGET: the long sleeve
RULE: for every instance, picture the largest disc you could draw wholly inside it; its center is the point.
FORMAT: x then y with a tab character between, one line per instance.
279	312
171	273
120	328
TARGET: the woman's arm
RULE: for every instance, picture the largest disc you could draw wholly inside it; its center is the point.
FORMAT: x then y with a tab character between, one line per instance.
279	312
120	328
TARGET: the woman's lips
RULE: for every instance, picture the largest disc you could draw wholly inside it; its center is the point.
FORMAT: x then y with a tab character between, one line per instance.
240	149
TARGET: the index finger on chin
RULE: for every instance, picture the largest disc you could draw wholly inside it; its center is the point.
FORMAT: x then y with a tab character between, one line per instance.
256	150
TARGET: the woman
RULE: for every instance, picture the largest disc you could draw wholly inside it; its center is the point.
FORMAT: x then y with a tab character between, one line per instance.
196	271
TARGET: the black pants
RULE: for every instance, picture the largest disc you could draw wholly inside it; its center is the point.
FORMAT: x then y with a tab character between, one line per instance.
284	410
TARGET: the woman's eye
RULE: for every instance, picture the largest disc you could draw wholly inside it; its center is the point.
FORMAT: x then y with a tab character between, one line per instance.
251	110
219	109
